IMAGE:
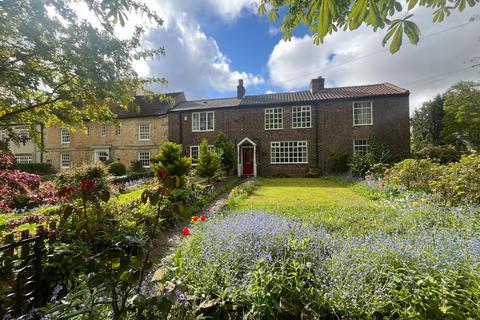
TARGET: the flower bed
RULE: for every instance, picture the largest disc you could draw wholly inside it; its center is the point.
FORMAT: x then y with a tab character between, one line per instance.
269	266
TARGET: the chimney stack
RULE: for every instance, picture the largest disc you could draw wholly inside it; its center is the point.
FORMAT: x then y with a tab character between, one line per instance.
316	85
240	89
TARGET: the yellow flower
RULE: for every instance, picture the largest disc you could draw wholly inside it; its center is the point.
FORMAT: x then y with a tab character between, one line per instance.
415	204
424	200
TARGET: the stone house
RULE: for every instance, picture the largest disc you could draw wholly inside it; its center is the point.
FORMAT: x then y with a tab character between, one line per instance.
288	133
138	136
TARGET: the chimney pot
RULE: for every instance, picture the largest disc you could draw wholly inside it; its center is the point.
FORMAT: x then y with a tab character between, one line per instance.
240	89
316	85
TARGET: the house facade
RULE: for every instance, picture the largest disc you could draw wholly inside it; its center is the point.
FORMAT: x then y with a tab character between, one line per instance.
26	151
138	136
289	133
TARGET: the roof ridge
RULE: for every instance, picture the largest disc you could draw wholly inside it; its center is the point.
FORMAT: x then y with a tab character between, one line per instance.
391	85
211	99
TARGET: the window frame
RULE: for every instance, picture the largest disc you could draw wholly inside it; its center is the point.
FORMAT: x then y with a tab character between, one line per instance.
366	144
22	158
197	146
273	114
140	132
103	131
371	113
199	127
65	133
118	130
139	158
301	118
297	152
3	135
69	160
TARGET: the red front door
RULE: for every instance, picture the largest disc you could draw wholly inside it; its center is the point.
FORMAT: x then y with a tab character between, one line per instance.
247	156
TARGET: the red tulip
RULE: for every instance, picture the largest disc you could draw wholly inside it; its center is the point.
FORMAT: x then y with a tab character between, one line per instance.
194	218
186	232
87	185
203	218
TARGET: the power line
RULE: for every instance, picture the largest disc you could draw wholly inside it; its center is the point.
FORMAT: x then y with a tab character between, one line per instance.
378	52
441	76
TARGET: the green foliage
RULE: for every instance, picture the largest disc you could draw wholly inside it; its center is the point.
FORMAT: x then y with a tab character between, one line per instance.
36	168
440	154
171	159
227	152
373	162
136	166
414	174
338	161
328	16
427	124
96	172
208	161
58	68
462	115
117	168
459	182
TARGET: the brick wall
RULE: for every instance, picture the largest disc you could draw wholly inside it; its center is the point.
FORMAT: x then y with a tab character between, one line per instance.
332	130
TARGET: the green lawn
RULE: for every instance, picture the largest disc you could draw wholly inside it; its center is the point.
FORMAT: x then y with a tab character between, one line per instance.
333	202
304	192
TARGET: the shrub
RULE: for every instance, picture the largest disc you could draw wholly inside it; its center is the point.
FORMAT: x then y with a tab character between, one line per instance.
459	182
22	190
6	160
171	158
414	174
69	181
441	154
338	161
117	168
36	168
136	166
377	155
227	152
208	161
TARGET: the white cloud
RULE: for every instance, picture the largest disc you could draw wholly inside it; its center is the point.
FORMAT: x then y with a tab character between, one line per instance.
426	69
193	62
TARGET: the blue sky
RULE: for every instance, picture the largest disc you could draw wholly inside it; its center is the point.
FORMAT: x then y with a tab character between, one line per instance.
211	43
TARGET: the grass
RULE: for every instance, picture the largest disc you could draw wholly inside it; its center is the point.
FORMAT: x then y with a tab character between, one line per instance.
303	192
331	201
341	206
128	197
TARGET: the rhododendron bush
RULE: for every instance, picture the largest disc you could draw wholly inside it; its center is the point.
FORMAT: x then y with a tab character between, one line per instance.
22	190
19	190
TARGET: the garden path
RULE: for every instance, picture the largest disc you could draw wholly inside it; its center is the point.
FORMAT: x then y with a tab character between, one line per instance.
171	237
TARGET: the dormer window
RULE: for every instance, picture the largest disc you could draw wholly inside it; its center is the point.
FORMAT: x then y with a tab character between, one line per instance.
362	113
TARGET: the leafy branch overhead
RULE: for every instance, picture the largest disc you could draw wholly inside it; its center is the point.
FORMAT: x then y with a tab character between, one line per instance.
324	17
58	68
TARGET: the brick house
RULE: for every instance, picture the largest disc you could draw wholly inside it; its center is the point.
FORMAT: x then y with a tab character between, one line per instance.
288	133
139	135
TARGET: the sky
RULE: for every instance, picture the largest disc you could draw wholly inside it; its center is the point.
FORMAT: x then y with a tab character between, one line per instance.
210	44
